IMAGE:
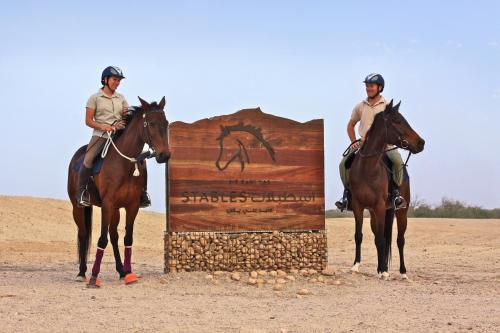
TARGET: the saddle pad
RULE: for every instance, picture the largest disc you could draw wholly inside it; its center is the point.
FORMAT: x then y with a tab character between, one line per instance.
96	166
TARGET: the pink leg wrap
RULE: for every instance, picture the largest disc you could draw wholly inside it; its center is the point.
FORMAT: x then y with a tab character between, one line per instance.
127	267
97	263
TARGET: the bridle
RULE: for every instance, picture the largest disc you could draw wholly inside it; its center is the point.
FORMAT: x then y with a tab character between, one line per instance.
404	144
142	156
145	130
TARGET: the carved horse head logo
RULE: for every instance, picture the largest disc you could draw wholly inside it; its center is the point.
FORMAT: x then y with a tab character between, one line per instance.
238	150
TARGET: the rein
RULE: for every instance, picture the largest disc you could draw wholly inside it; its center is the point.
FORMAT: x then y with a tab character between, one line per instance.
142	156
402	141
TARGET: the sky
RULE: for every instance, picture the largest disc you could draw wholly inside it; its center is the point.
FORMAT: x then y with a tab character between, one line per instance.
297	59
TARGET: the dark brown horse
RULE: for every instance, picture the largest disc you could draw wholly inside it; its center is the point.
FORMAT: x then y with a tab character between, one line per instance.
118	186
369	184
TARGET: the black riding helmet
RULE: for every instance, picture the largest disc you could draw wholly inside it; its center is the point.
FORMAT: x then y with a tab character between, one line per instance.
111	71
375	78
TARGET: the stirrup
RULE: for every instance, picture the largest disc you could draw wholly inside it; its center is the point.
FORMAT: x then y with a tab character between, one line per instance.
401	205
341	205
84	199
145	200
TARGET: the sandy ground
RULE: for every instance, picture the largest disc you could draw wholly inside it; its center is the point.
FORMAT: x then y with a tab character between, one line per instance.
453	265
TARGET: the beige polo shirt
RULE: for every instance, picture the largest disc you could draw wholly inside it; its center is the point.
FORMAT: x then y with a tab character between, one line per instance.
365	114
107	109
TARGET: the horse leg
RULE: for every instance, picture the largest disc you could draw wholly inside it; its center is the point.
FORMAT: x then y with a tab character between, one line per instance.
358	235
113	236
83	220
106	216
377	226
131	213
402	221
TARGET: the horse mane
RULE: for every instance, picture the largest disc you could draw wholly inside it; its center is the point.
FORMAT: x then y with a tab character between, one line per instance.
256	131
246	128
128	119
135	111
376	120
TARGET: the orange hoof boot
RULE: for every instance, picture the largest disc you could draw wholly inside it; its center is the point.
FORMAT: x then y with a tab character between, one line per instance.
93	282
130	278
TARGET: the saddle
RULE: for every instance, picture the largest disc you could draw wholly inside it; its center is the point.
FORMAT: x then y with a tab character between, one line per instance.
98	160
388	166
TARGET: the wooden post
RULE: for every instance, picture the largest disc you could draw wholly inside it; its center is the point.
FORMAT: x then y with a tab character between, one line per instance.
167	219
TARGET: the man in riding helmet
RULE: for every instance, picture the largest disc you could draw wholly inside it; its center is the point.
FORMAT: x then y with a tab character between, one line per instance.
364	113
105	111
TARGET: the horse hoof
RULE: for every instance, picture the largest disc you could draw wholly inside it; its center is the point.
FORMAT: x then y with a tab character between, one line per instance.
93	282
80	278
384	276
355	268
130	278
404	277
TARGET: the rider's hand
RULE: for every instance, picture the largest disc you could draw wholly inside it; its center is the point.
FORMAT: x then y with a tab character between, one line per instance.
355	145
125	111
107	128
358	144
120	125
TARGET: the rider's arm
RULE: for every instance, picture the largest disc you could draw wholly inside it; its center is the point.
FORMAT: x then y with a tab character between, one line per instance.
355	118
90	122
350	130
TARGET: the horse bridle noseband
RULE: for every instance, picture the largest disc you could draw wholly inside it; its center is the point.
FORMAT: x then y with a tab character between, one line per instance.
151	151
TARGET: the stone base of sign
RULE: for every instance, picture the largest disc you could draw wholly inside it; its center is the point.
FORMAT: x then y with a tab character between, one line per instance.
245	251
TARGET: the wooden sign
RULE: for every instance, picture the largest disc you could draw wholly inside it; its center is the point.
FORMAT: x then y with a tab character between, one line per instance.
247	171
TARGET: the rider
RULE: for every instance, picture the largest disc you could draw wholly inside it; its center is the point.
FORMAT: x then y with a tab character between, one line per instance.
105	111
364	113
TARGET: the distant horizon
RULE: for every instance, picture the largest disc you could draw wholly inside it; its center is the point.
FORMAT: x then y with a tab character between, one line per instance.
152	210
297	60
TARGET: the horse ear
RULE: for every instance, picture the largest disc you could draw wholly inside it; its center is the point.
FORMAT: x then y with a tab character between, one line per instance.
396	107
162	103
388	108
143	102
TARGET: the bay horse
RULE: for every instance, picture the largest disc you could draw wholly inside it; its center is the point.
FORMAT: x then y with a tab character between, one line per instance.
369	181
118	186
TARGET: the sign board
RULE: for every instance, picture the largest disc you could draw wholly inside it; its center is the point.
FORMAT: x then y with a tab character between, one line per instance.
247	171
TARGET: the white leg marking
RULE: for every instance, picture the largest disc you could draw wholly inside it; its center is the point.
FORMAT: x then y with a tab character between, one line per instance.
355	268
80	279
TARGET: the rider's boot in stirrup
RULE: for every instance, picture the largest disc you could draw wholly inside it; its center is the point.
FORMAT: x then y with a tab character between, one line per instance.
82	195
398	202
145	199
342	203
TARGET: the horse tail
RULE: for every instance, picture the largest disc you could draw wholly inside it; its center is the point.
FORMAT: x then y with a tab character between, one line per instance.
389	219
84	246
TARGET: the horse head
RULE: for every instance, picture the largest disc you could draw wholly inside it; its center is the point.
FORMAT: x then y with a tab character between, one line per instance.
399	132
155	128
234	147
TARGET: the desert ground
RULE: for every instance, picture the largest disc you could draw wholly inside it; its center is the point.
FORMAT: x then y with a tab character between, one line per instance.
453	267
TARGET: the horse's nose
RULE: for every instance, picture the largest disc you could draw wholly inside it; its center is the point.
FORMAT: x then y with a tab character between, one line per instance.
421	144
161	157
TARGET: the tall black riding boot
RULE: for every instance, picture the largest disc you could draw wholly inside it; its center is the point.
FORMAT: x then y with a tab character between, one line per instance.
343	203
82	195
145	200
